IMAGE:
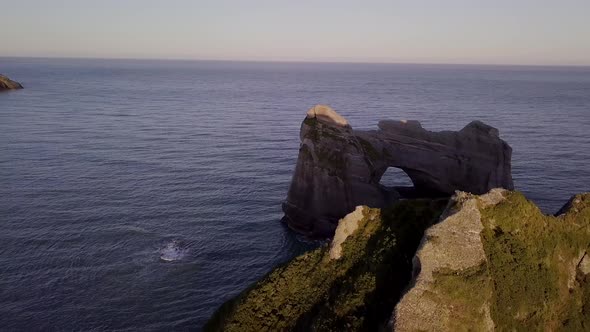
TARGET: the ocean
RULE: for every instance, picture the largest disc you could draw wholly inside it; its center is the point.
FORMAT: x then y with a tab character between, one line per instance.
142	194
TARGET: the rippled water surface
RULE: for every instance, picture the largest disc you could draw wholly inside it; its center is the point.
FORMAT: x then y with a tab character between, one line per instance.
143	194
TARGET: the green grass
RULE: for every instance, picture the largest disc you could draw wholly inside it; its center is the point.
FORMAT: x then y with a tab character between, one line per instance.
532	259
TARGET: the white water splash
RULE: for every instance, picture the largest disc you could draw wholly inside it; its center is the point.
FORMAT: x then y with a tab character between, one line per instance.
172	251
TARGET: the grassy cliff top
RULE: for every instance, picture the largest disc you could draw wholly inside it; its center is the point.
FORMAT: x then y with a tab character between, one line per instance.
495	262
535	264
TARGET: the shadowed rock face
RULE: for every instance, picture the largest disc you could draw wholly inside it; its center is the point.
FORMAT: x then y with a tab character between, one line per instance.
339	168
8	84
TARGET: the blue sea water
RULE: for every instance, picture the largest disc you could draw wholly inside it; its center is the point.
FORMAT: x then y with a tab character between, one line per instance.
141	195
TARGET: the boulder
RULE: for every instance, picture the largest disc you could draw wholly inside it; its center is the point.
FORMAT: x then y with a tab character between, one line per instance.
8	84
339	168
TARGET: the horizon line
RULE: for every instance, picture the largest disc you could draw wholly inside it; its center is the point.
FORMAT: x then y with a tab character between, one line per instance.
298	61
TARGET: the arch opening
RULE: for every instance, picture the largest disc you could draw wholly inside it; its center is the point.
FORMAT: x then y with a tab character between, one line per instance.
408	183
394	178
396	183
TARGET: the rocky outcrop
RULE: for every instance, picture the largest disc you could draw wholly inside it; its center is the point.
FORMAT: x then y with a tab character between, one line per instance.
339	168
8	84
350	285
488	262
346	227
496	262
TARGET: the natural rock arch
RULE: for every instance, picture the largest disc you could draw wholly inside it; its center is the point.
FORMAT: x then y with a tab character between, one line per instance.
339	168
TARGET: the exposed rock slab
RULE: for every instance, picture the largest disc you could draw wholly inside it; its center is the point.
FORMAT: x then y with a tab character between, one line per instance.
339	168
451	245
346	227
8	84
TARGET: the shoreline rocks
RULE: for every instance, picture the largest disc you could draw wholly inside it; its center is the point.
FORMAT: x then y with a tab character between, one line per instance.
8	84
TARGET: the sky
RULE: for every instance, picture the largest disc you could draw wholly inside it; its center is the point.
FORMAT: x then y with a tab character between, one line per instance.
528	32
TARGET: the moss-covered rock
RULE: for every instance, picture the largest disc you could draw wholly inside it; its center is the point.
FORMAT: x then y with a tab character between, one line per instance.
354	290
534	265
496	262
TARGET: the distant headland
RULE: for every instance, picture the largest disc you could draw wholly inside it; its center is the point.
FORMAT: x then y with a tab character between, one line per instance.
8	84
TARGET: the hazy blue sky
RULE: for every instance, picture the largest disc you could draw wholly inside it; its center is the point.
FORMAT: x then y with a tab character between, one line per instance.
435	31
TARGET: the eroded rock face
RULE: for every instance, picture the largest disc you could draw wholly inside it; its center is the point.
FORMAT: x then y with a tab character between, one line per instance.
339	168
496	262
8	84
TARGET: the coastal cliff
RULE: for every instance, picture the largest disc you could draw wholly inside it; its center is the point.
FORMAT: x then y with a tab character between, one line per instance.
492	261
339	168
483	258
8	84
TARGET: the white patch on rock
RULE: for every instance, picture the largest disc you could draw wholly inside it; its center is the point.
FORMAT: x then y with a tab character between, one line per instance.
326	114
346	226
584	265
